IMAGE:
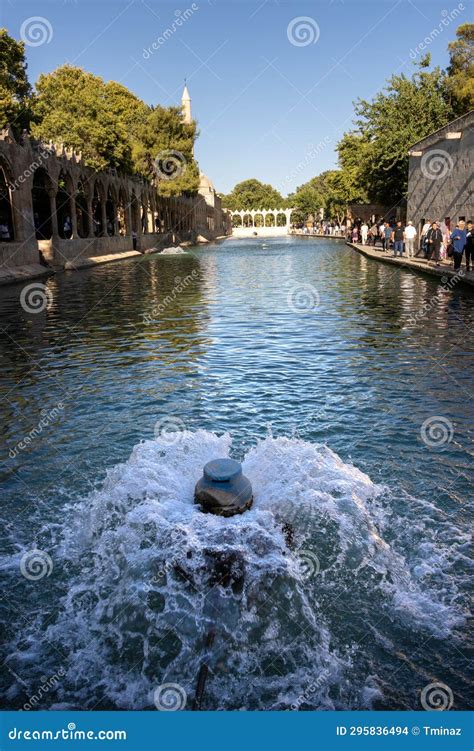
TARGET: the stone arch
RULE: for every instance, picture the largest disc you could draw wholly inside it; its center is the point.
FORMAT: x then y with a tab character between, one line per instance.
270	220
7	227
41	193
258	219
64	199
237	219
247	219
281	220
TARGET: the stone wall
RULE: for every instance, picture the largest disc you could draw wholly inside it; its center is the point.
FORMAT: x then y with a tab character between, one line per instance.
58	211
441	167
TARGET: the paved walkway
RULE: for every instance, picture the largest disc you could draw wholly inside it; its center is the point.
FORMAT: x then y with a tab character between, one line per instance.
445	271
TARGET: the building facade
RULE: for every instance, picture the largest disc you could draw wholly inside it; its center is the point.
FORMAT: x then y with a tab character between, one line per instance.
440	177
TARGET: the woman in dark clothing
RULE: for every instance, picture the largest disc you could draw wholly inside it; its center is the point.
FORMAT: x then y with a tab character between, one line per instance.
434	238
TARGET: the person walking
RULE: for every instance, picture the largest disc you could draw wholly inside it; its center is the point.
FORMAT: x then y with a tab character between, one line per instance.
387	235
409	235
469	246
458	239
364	231
423	240
397	236
434	238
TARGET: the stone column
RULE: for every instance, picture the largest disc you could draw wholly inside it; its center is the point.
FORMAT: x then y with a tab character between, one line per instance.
72	206
90	217
54	216
103	217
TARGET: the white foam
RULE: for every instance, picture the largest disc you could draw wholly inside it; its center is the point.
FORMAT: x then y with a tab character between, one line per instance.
138	556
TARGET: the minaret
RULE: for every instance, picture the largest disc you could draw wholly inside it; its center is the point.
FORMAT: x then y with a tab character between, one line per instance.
186	105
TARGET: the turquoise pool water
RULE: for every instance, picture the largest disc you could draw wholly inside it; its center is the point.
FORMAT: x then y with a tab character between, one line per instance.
344	385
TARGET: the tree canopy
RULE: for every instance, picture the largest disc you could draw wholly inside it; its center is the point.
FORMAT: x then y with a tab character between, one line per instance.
110	125
460	80
114	128
252	194
15	89
406	110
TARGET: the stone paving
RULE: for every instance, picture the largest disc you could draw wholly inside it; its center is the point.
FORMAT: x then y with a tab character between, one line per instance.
445	271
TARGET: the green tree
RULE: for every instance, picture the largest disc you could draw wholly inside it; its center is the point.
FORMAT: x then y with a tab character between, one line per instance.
252	194
460	78
326	191
15	90
405	111
78	109
163	150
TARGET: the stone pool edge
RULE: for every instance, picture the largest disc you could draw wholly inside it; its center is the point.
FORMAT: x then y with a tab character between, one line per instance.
412	263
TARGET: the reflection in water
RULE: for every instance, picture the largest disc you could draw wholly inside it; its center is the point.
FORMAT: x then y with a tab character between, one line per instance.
361	372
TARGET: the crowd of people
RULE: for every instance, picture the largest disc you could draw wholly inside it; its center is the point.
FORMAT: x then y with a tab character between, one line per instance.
333	228
437	241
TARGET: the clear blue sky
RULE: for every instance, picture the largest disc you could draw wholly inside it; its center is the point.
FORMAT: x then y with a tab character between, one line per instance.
263	104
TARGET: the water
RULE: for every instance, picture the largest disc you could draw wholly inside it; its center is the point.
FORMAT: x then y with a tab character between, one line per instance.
345	586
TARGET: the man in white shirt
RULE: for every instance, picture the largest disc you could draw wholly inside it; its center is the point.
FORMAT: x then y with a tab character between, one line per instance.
364	231
409	236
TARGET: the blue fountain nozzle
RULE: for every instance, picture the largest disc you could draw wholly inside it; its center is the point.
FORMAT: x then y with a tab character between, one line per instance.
223	489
